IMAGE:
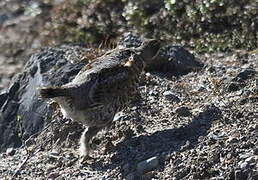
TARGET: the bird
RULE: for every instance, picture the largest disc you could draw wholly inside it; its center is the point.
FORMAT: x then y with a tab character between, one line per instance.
102	88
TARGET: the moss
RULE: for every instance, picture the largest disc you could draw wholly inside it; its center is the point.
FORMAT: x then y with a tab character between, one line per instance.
201	24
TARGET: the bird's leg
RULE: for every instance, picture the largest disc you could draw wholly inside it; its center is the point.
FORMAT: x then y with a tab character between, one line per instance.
86	138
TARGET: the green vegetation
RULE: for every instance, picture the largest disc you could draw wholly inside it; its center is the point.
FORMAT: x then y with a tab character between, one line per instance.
205	25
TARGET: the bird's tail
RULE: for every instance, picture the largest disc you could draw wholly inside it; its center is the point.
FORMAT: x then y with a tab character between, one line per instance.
51	92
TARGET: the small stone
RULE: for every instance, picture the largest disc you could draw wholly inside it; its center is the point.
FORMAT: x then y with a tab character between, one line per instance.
244	155
243	165
10	151
53	156
152	100
239	175
250	160
185	146
148	165
183	111
119	116
169	95
53	175
148	74
153	93
232	140
134	108
54	152
201	88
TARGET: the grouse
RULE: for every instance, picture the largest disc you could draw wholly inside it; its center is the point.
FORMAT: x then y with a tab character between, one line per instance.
102	88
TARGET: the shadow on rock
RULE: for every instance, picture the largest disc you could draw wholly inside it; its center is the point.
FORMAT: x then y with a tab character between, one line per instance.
134	150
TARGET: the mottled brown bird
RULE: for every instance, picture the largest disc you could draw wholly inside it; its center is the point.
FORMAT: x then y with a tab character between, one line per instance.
102	88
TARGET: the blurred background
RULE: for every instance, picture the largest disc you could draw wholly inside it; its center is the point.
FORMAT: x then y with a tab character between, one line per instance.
200	25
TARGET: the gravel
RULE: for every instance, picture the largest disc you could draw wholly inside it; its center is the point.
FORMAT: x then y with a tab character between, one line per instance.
150	140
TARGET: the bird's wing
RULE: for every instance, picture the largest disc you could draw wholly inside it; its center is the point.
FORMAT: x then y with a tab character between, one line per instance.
112	82
84	86
102	82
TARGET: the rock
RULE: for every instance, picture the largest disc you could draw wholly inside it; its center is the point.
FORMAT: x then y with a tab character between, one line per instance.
169	95
245	75
147	165
119	115
243	165
239	81
250	160
10	151
183	111
176	60
153	93
240	174
210	113
232	140
171	58
20	105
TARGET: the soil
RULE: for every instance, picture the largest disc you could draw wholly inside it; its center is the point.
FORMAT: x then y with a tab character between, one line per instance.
193	126
202	125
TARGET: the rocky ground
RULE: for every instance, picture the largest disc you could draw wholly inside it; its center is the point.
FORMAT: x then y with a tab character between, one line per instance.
202	125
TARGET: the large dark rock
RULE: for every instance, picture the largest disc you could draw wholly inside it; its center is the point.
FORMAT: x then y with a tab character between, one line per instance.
176	60
22	112
171	58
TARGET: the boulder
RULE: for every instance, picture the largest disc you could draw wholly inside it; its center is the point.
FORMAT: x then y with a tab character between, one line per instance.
174	59
22	111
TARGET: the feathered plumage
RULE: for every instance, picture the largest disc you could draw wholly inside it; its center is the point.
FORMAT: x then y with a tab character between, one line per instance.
102	88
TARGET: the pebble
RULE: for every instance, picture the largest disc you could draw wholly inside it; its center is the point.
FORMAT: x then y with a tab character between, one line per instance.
171	96
183	111
119	116
244	155
54	152
148	165
243	165
153	93
10	151
134	108
250	160
53	156
232	140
